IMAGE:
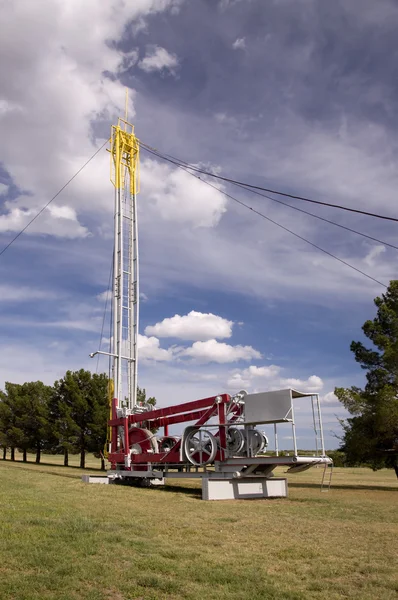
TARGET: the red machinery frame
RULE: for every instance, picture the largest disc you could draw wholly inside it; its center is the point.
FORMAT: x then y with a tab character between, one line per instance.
200	411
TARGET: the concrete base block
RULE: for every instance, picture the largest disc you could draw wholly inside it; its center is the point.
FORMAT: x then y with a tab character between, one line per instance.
95	479
243	489
155	482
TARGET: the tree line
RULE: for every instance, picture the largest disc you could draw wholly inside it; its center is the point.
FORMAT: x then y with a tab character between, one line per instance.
69	417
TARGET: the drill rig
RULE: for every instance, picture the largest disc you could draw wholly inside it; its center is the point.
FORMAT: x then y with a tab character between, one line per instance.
220	441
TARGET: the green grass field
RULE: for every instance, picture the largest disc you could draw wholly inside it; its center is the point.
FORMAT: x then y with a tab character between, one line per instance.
61	539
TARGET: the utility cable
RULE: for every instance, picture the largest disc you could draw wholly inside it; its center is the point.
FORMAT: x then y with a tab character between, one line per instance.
243	186
177	161
306	212
53	198
285	228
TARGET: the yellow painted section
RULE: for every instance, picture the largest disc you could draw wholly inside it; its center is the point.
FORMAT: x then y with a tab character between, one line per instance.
109	429
125	155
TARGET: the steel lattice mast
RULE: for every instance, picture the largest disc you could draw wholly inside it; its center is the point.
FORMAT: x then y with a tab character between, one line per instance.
125	294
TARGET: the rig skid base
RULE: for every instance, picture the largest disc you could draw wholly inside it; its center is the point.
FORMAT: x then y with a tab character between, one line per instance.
223	447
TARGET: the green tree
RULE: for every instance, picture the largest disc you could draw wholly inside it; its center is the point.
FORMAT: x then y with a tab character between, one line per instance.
141	397
371	434
64	431
80	400
11	410
32	417
99	418
24	417
8	436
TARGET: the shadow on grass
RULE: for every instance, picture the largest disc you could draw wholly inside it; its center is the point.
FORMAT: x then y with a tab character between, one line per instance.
48	464
370	488
46	472
38	469
194	492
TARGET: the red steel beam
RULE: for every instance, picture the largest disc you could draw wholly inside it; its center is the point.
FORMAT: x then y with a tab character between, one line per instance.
171	410
166	421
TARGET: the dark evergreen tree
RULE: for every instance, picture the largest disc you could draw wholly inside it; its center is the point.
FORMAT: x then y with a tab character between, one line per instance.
78	399
33	417
371	434
11	436
100	414
24	415
64	431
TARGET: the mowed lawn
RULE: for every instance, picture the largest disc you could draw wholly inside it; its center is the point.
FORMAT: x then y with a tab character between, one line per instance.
62	539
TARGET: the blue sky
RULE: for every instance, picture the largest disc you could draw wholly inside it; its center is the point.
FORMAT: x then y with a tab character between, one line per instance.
299	96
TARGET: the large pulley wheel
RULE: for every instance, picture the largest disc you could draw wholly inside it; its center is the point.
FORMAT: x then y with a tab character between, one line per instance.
200	447
141	441
256	441
167	443
235	440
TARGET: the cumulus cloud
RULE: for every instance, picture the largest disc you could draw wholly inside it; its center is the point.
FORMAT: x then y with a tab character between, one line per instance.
219	352
238	381
271	378
239	44
267	372
158	59
195	326
177	196
312	384
3	189
330	398
65	54
149	349
59	221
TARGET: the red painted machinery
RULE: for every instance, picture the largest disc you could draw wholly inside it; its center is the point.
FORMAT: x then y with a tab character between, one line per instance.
223	443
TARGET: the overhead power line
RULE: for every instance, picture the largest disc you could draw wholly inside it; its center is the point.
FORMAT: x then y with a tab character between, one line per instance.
306	212
253	191
177	161
52	199
260	214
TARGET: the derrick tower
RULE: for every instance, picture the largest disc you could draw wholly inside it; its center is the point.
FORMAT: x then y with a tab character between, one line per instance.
124	153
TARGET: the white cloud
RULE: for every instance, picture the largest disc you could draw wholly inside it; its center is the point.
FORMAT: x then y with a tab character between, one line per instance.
149	349
219	352
239	44
195	326
267	372
9	293
158	59
177	196
238	381
312	384
60	221
65	52
373	254
271	378
105	296
329	398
